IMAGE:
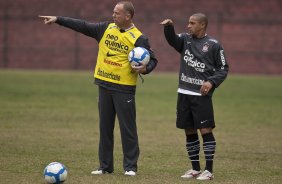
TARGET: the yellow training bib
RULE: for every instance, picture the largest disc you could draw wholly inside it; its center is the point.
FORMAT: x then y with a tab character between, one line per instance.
112	62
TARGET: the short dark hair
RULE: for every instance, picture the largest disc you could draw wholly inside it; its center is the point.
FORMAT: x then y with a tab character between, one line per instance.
128	6
202	18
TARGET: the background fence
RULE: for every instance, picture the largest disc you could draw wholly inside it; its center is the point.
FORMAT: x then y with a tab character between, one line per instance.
250	32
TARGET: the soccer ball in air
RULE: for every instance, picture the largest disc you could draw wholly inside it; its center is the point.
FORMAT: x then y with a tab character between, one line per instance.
138	55
55	173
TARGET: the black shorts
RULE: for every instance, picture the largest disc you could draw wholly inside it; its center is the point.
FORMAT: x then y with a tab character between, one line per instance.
194	112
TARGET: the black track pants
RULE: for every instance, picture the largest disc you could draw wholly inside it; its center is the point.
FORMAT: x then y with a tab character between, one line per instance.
112	103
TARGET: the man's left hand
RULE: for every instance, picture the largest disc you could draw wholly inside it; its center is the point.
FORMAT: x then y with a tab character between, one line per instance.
140	69
206	87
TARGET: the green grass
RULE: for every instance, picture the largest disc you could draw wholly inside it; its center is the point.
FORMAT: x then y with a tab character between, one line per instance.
50	116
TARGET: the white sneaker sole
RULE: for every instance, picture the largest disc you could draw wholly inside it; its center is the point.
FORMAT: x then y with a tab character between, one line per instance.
130	173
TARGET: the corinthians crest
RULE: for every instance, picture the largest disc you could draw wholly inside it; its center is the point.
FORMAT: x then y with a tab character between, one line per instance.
205	47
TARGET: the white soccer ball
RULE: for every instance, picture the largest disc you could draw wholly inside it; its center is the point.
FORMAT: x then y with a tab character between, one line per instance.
138	55
55	173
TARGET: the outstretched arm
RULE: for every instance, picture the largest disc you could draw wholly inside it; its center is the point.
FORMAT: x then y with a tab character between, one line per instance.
174	40
95	30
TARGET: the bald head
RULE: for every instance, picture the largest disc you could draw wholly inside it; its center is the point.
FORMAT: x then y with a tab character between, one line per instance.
128	7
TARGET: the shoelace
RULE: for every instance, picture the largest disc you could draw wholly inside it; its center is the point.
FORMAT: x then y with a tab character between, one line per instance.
142	79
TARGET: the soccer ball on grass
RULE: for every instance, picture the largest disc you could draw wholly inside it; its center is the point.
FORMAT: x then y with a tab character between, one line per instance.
138	55
55	173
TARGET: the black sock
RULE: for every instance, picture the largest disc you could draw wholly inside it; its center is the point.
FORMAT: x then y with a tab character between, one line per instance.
193	149
209	144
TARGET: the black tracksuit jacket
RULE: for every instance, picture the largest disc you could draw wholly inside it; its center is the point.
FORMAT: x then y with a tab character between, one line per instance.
201	60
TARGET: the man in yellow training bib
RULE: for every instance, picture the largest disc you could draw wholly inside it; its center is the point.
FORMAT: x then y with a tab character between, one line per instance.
116	80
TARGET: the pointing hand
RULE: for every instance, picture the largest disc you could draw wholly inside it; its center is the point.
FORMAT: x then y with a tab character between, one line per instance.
48	19
167	22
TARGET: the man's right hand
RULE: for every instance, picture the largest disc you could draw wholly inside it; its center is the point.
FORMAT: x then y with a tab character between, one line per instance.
167	22
48	19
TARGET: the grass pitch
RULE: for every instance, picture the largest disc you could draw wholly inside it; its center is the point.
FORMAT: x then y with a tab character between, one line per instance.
50	116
